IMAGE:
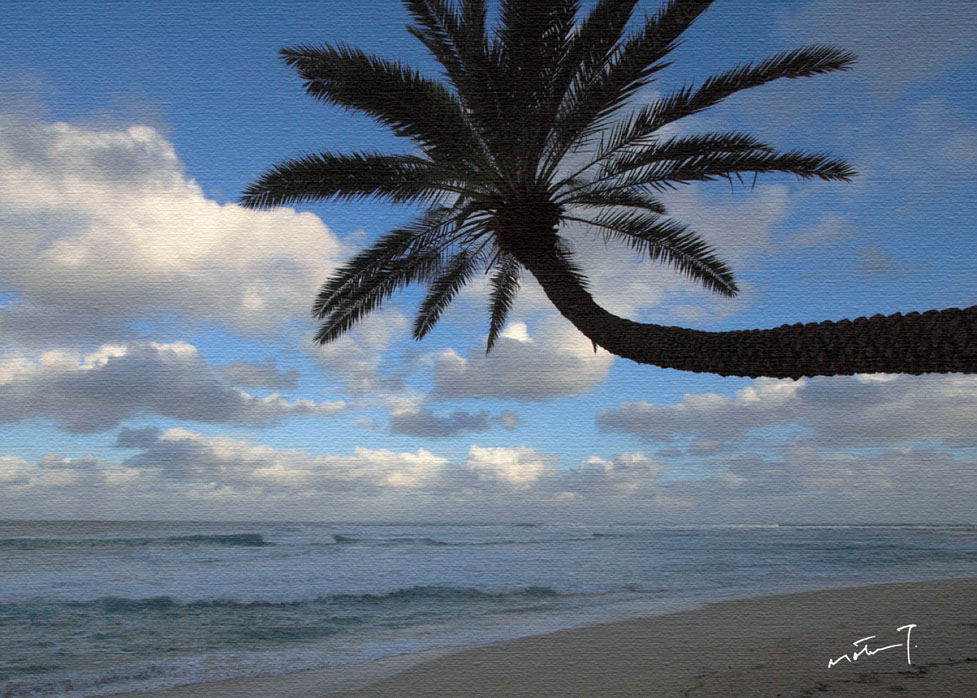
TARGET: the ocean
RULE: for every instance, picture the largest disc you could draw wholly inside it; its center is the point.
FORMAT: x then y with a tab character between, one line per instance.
99	607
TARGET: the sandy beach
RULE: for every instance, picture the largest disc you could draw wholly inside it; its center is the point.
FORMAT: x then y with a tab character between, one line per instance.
768	646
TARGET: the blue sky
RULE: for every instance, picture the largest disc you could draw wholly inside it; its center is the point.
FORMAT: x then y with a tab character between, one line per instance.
155	344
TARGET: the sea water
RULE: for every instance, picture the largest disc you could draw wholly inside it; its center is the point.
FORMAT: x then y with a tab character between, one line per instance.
94	608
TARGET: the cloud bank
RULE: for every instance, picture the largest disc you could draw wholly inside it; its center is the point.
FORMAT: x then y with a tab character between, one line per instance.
843	412
93	392
180	472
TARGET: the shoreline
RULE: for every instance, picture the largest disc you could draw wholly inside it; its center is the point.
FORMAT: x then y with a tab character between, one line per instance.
766	645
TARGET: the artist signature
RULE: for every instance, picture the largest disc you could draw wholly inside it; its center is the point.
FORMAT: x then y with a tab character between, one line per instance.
865	651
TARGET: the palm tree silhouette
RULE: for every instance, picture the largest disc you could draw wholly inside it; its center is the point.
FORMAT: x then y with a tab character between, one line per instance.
525	136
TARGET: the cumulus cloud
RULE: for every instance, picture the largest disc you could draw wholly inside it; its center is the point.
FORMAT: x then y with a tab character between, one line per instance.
187	456
360	360
423	422
844	411
103	226
622	475
707	415
96	391
521	467
557	362
905	483
179	471
190	457
488	478
137	438
14	471
58	486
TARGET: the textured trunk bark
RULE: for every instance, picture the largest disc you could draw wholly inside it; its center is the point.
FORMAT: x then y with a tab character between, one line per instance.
937	341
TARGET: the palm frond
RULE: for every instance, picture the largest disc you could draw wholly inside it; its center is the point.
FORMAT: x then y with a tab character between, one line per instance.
391	93
454	37
412	254
459	42
594	98
798	63
495	134
686	101
670	242
601	198
683	147
505	284
362	271
428	234
593	42
438	29
640	56
325	176
564	254
457	272
400	273
473	14
533	39
666	174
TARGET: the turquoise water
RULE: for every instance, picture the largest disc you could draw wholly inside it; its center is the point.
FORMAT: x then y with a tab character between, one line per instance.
95	608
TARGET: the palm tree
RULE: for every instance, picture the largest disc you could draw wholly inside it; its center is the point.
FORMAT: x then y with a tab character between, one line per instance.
527	135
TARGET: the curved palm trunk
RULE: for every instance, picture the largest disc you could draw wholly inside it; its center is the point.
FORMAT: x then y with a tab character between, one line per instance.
937	341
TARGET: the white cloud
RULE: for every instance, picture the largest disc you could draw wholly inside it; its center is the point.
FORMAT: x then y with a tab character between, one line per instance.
96	391
843	411
706	415
895	484
623	474
557	362
359	358
423	422
178	471
738	223
14	470
103	226
187	456
521	467
517	331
